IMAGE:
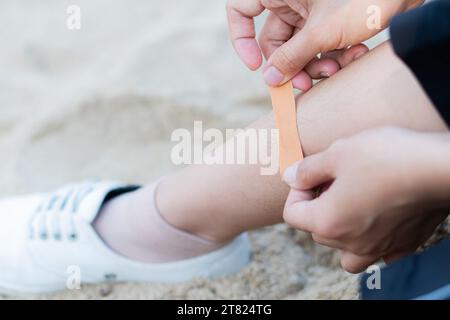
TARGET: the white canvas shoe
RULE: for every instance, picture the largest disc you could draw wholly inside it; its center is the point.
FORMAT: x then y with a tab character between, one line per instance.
47	243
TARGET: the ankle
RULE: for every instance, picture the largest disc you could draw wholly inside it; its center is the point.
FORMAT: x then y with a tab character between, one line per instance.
111	220
132	226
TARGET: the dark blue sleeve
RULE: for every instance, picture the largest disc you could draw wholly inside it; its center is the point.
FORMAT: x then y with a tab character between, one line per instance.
418	276
421	38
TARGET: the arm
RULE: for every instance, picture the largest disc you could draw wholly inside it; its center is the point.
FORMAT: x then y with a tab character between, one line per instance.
220	201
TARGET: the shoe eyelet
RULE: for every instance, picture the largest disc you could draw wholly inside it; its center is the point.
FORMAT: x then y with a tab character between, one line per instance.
110	276
73	236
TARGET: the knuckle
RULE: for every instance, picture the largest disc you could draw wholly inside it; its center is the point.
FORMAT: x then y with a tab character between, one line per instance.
285	59
330	228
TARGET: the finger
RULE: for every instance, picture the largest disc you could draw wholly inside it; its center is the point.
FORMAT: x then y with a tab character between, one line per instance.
290	58
323	216
299	196
274	33
355	264
302	81
331	62
299	210
310	172
327	241
346	56
322	68
242	30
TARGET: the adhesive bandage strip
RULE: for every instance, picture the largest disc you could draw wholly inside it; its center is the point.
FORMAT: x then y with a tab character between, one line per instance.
283	103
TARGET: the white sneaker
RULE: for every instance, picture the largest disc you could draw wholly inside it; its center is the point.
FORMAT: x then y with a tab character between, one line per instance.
47	243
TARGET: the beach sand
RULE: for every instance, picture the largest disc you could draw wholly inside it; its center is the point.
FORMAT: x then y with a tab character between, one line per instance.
102	101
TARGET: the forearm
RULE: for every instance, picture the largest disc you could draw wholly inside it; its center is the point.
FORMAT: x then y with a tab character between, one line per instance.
377	90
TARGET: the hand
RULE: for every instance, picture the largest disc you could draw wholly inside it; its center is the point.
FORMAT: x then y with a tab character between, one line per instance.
384	193
296	31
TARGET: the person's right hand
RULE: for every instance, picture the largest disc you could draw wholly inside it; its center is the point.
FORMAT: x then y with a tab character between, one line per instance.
383	193
296	31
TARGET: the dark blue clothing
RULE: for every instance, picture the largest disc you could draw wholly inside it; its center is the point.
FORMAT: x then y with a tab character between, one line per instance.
421	38
420	276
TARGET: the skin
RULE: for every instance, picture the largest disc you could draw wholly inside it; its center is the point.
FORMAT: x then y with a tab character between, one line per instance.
297	31
386	192
218	202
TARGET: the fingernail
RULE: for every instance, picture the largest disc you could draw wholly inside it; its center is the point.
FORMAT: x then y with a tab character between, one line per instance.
358	55
290	175
273	76
324	74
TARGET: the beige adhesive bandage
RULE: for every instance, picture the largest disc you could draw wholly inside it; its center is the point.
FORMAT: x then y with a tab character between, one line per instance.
284	108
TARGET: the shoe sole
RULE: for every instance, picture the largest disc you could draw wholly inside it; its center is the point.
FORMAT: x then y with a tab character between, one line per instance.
222	262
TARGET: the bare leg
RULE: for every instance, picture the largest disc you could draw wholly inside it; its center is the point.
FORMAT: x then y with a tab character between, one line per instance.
217	202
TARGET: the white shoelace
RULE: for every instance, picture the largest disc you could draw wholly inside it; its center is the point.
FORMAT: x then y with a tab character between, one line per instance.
54	216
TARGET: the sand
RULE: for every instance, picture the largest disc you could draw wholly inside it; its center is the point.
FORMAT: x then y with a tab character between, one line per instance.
102	101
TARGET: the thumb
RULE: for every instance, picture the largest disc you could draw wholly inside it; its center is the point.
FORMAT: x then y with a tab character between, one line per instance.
299	210
290	58
310	172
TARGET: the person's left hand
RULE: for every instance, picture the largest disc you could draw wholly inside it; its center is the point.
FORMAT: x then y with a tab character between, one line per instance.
383	194
296	32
